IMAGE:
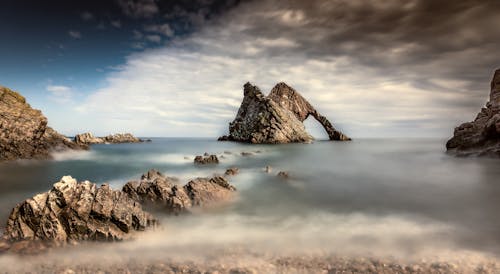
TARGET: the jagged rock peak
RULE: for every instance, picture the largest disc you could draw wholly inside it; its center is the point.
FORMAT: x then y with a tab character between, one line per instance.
481	136
276	118
24	133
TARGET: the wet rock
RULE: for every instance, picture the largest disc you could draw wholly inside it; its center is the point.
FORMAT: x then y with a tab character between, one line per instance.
268	169
277	118
232	171
481	136
156	189
244	153
73	211
24	133
207	159
283	175
89	139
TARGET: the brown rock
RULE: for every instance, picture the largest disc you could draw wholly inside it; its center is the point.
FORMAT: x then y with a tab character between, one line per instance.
283	175
481	136
232	171
276	118
207	159
73	211
160	191
24	133
89	139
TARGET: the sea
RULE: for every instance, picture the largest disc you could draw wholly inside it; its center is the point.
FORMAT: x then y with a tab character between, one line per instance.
395	197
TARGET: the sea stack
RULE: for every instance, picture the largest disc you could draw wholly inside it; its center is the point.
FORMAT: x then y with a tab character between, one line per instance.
276	118
481	136
24	133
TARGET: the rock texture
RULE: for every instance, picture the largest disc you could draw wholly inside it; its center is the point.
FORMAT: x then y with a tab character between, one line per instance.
481	136
24	133
276	118
89	139
156	189
207	159
73	211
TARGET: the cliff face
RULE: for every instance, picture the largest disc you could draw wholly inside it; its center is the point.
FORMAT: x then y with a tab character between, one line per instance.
481	136
276	118
24	133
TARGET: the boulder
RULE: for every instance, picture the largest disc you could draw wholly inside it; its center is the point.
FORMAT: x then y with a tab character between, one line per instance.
73	211
276	118
207	159
24	133
88	139
481	136
232	171
155	189
283	175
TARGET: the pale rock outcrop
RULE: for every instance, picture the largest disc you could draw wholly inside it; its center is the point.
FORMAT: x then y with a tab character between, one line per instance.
164	193
73	211
89	139
481	136
276	118
24	133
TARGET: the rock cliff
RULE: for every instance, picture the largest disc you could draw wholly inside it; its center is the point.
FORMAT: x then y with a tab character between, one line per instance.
24	133
89	139
276	118
481	136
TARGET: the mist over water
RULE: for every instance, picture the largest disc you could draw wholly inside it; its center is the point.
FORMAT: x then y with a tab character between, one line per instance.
385	197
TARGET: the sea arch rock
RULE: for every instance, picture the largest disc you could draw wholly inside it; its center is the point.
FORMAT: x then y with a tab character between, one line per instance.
276	118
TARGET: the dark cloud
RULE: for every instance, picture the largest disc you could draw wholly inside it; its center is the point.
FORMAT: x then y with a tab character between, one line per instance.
139	8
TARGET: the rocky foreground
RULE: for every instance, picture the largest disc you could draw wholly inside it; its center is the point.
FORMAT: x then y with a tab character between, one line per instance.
118	138
24	133
276	118
73	211
481	136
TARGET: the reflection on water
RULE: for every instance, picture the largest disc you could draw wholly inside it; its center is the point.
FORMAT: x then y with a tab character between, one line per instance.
380	195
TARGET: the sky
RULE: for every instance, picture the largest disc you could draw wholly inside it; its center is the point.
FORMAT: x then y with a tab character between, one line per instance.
375	68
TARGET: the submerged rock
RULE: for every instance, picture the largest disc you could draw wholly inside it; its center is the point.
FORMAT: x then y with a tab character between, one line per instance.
277	118
283	175
232	171
207	159
73	211
24	133
481	136
89	139
162	192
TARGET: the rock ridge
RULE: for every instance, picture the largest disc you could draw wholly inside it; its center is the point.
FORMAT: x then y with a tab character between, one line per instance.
118	138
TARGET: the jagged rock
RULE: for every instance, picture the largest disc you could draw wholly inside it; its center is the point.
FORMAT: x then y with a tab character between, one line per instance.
207	159
277	118
481	136
162	192
72	212
89	139
232	171
24	133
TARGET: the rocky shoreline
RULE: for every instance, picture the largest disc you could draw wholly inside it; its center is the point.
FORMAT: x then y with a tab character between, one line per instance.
118	138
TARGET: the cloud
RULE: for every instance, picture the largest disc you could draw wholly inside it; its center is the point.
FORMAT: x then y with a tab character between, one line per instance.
75	34
60	94
86	16
163	29
139	8
369	66
116	23
154	38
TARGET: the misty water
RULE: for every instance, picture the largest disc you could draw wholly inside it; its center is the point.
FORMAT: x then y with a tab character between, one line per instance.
398	197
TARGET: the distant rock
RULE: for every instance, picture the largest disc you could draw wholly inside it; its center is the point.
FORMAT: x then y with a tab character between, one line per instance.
277	118
283	175
245	153
89	139
72	212
207	159
24	133
232	171
481	136
160	191
268	169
